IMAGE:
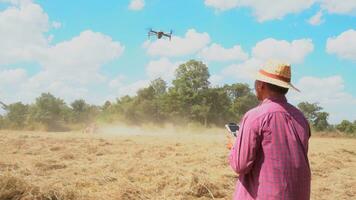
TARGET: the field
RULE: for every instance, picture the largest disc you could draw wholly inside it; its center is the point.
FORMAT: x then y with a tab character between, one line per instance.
148	163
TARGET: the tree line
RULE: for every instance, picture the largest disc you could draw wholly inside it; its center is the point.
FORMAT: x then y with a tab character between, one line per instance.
189	98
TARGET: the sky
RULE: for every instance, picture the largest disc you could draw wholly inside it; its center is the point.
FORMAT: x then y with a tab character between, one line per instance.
87	49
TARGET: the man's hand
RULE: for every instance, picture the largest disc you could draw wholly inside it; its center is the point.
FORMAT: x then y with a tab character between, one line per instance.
230	141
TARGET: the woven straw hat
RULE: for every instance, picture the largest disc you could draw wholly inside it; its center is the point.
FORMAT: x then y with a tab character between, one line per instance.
277	73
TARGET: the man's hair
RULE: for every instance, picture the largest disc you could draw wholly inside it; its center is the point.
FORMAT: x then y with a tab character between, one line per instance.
277	89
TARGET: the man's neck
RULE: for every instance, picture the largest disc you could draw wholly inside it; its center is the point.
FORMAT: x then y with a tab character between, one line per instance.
273	96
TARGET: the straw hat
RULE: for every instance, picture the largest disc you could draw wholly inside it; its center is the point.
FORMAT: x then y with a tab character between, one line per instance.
277	73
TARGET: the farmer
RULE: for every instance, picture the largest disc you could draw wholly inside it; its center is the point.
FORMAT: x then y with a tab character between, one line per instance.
270	151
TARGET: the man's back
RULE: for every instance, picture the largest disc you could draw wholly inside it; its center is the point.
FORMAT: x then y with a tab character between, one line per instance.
271	153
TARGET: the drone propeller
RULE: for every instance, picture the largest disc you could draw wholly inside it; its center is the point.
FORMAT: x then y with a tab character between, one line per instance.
170	35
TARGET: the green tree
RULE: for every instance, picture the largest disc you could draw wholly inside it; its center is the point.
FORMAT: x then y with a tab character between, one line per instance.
106	105
242	99
321	121
122	109
80	111
145	108
192	76
173	105
310	110
148	102
237	90
200	112
17	115
159	86
189	86
315	116
2	122
347	127
49	111
212	107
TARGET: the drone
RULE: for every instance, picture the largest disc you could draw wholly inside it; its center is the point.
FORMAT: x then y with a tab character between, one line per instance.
160	34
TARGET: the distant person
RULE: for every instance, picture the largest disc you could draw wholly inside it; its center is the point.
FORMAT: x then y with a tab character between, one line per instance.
91	128
270	153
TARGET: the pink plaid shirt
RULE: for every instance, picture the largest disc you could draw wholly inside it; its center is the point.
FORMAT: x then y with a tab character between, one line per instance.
270	153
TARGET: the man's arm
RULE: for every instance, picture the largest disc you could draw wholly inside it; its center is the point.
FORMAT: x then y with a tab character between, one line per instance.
243	153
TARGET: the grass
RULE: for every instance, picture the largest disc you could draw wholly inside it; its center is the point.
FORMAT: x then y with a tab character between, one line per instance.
121	162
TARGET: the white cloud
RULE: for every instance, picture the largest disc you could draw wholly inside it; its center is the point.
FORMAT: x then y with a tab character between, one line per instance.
264	9
117	82
292	52
22	31
67	69
222	4
122	88
12	76
243	72
339	6
316	19
216	80
11	82
162	68
80	58
343	45
192	42
331	95
56	25
216	52
17	2
137	5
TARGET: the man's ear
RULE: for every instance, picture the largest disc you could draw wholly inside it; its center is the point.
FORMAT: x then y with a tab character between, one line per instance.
262	85
259	85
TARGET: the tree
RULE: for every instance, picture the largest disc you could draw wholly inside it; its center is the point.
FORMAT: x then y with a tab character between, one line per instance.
242	99
212	107
310	110
321	121
318	119
81	110
192	76
243	104
17	115
159	86
49	111
219	104
125	107
106	105
148	102
237	90
2	122
346	127
190	83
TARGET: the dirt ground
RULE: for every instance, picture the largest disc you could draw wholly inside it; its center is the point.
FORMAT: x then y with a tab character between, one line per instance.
134	163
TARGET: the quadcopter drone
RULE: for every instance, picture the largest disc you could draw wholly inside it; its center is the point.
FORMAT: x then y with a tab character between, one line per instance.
160	34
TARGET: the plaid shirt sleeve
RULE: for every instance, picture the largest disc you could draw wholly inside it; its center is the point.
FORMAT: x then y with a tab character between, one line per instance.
243	153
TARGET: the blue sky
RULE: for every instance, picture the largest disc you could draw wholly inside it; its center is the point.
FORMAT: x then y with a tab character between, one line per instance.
99	51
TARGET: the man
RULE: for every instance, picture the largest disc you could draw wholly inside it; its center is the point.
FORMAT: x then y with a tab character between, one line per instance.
270	152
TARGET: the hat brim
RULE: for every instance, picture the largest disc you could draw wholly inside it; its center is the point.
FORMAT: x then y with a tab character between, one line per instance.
277	82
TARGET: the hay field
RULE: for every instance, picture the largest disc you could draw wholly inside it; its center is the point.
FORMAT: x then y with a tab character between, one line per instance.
139	163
